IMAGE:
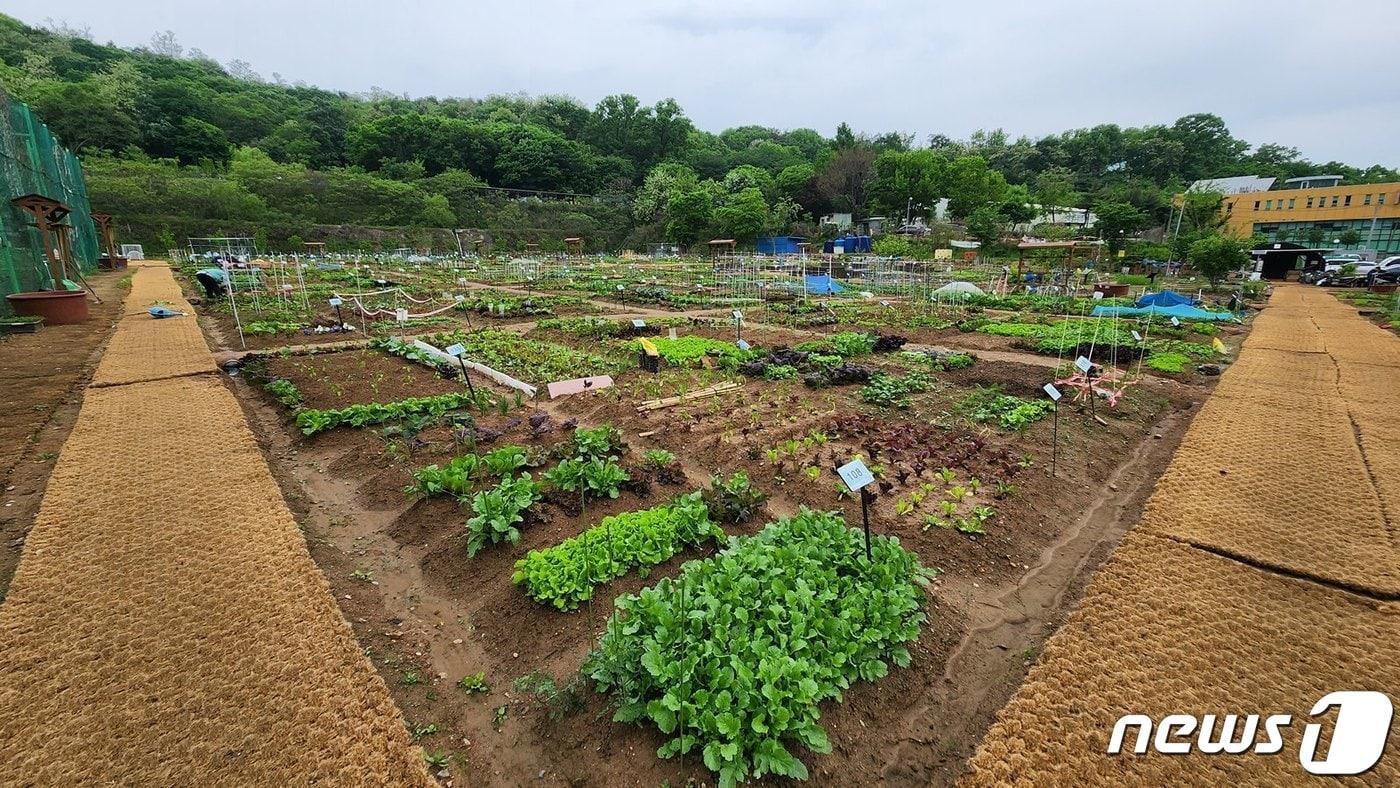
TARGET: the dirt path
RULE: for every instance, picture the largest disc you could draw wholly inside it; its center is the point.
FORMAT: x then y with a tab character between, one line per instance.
166	624
1263	576
41	380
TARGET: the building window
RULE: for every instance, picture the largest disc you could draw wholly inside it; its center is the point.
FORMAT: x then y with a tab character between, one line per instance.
1310	202
1366	200
1291	202
1334	201
1380	199
1256	205
1347	202
1268	205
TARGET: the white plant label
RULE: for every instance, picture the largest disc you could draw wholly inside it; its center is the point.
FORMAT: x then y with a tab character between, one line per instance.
855	474
1176	322
401	315
337	301
1137	337
743	345
456	350
639	324
1053	392
738	315
1098	295
671	333
1083	364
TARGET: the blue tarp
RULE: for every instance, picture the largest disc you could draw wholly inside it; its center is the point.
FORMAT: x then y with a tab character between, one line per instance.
1180	311
821	284
779	244
1166	298
849	245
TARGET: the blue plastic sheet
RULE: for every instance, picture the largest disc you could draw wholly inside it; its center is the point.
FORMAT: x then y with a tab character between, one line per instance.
1181	311
821	284
1166	298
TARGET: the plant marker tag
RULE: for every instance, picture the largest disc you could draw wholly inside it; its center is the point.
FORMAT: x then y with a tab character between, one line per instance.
456	350
855	474
461	281
1098	295
672	333
738	316
1083	364
743	345
1049	388
884	302
1176	322
401	315
461	298
287	288
639	324
1137	337
619	288
337	301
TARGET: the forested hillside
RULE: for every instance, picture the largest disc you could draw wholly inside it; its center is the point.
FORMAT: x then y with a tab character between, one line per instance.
176	144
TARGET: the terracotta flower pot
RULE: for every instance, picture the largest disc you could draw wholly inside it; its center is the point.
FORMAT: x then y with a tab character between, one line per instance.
57	307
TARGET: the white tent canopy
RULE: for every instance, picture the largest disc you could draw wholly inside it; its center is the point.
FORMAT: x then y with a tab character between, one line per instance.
955	288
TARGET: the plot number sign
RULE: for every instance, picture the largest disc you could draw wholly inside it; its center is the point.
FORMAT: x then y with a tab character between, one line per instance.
1137	337
1176	322
1054	393
738	315
1098	295
639	324
1083	364
855	474
743	345
456	350
336	301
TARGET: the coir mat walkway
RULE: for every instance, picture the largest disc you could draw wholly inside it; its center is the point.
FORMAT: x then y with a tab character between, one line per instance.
166	624
1265	574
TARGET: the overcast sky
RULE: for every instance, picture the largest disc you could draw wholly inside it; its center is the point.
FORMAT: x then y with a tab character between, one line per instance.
1320	75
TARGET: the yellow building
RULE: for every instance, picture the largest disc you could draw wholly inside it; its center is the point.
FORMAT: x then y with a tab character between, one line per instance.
1320	211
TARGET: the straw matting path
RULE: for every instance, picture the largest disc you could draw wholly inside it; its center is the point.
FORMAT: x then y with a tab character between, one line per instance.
166	625
1265	572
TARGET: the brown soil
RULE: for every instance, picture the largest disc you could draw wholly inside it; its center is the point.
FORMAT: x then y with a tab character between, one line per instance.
427	609
41	380
352	377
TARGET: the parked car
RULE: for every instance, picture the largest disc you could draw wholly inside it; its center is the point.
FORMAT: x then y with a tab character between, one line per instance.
1358	274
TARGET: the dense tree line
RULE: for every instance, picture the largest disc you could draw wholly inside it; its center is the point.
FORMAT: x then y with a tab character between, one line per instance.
173	133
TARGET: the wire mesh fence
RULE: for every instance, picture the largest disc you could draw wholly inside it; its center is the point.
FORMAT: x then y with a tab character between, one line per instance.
32	161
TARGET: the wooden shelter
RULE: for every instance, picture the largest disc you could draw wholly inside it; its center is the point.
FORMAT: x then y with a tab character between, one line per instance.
575	246
49	215
722	246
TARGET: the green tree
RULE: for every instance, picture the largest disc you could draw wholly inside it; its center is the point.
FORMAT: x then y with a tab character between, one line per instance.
1016	205
902	177
688	215
1054	190
1350	237
665	179
747	176
986	224
971	185
436	212
1216	256
1115	221
741	216
1315	235
195	141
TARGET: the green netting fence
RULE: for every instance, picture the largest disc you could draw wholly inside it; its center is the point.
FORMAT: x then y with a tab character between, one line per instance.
32	161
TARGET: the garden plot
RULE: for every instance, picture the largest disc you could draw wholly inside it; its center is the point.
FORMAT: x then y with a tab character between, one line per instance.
480	547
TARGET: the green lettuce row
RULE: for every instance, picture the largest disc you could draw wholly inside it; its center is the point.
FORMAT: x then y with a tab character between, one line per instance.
731	658
312	421
566	574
